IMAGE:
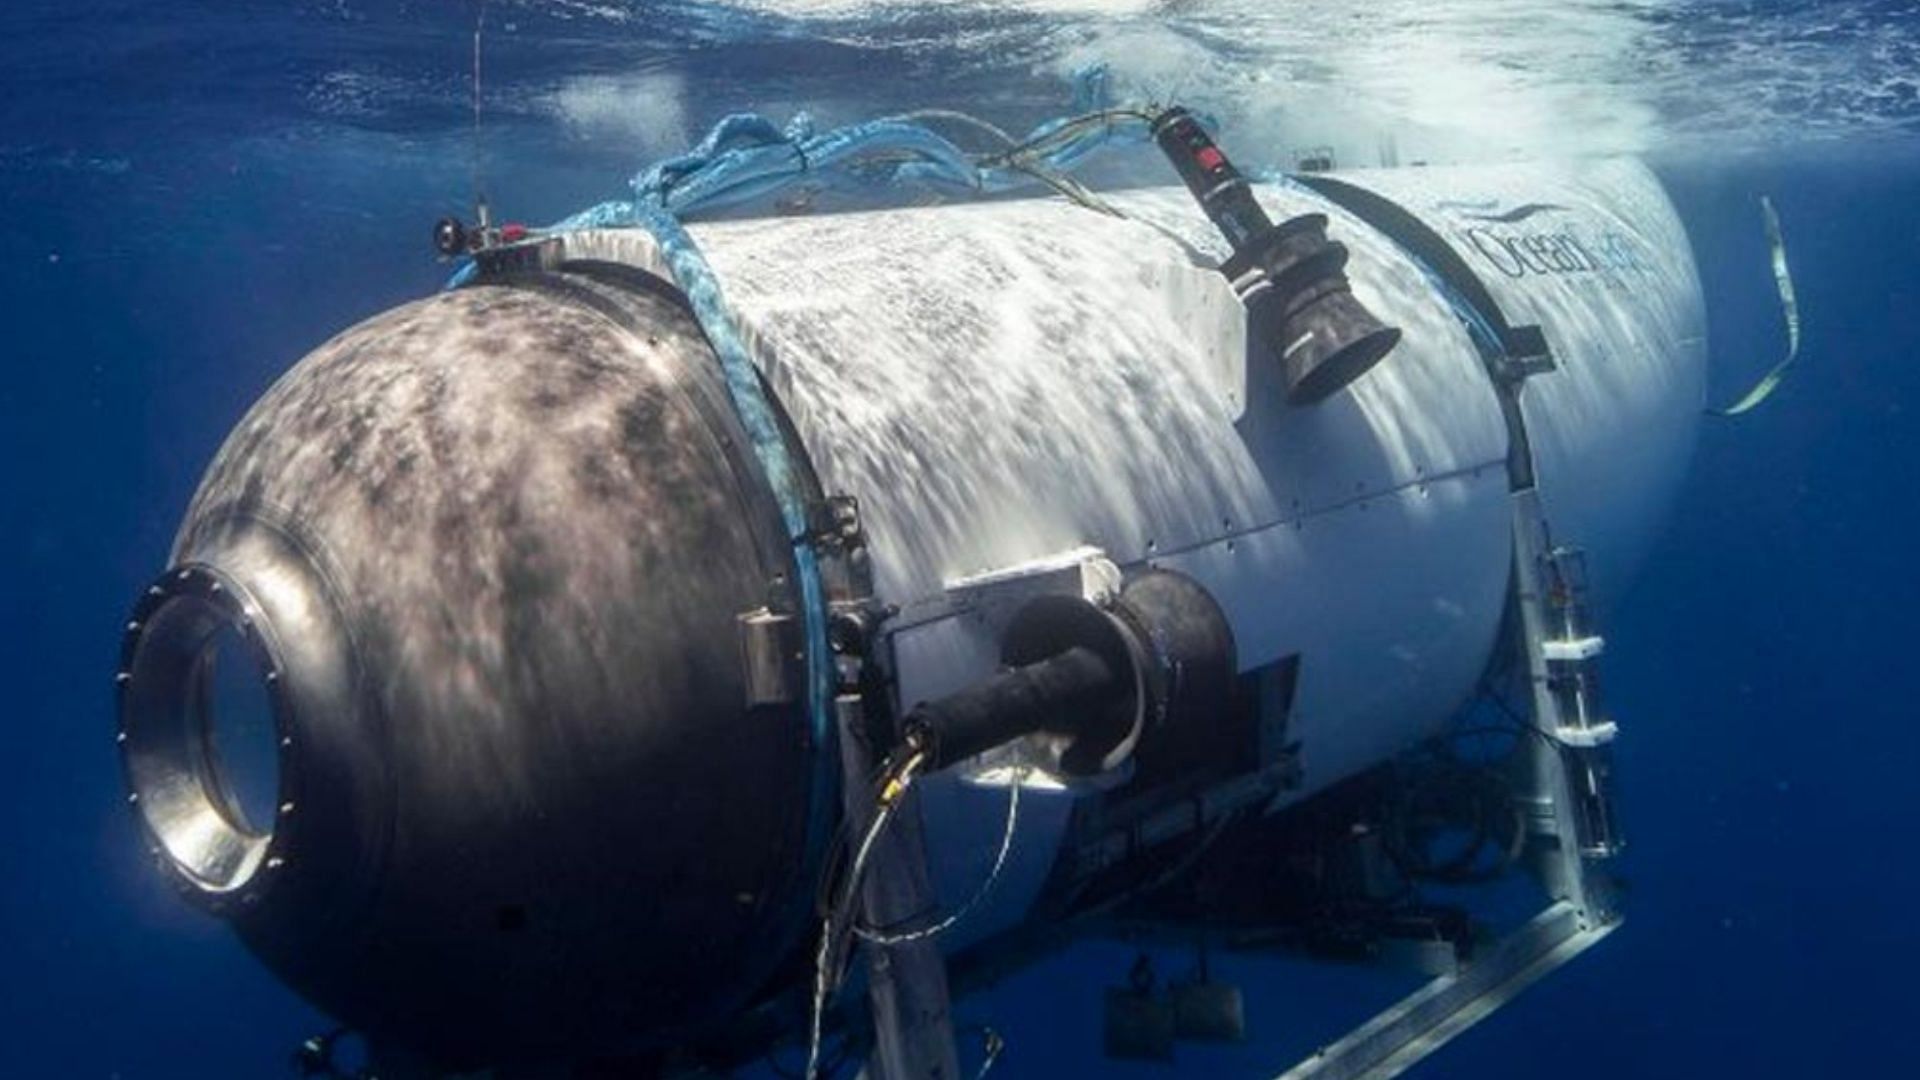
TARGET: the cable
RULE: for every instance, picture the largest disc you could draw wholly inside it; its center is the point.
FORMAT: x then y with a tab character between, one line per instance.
1509	729
746	157
1518	726
831	1062
877	937
995	1046
836	925
317	1058
1498	700
1074	190
1176	867
963	119
1065	131
479	145
1474	799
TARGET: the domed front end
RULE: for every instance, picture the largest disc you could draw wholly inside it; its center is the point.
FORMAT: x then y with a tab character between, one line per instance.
443	703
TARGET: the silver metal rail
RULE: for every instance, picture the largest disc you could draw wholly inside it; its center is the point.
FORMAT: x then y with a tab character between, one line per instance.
1426	1019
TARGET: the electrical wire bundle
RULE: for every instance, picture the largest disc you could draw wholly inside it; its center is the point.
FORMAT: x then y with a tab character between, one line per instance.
748	158
837	920
841	898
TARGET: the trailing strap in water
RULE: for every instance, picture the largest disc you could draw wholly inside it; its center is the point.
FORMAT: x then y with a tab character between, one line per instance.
1788	306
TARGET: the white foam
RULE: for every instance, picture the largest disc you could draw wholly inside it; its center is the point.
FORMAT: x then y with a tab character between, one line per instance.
1447	79
844	8
646	111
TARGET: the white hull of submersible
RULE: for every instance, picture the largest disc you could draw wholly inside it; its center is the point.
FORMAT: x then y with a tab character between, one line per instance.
1002	383
514	578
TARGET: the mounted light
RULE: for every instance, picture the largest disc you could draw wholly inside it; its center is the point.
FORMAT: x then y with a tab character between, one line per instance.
1290	276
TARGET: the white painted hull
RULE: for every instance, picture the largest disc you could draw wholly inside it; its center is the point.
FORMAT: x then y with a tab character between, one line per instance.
998	383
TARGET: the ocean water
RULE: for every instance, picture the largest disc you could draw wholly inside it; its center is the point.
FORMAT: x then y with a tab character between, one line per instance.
199	193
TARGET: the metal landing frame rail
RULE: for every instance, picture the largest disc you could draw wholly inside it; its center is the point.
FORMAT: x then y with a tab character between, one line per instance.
1428	1018
1571	819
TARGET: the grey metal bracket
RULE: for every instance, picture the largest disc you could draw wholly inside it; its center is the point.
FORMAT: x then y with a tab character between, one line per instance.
1524	354
1428	1018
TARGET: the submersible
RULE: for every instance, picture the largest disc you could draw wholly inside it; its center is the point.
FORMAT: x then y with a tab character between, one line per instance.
552	766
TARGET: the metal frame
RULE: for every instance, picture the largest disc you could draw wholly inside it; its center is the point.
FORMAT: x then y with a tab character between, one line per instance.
1427	1019
1582	911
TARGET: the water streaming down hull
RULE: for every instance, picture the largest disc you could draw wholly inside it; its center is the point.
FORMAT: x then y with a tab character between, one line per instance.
1001	383
997	384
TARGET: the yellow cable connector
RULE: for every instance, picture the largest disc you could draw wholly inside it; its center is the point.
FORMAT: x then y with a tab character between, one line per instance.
898	781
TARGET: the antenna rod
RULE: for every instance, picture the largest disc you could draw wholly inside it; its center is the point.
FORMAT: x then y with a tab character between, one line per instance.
479	161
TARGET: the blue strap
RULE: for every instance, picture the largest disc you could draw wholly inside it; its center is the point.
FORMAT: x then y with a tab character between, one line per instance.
747	158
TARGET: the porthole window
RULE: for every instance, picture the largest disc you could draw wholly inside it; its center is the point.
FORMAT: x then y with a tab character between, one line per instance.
202	728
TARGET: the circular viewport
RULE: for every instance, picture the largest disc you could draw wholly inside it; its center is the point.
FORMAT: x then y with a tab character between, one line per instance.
202	727
239	742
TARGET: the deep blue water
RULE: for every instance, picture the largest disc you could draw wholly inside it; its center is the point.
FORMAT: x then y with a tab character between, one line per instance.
197	194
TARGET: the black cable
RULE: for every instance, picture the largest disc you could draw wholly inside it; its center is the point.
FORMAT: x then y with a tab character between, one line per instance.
836	930
317	1057
1474	798
966	119
1510	729
832	865
1064	131
1506	708
843	1052
1071	189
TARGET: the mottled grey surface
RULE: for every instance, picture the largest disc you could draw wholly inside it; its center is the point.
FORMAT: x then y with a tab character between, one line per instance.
541	538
